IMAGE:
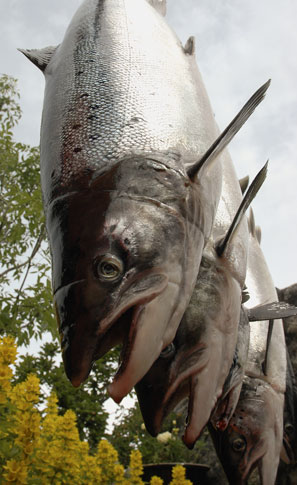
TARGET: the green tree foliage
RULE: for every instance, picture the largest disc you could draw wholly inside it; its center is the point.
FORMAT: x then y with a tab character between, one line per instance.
26	308
129	433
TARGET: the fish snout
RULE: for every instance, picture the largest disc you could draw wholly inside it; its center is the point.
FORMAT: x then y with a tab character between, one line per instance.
77	332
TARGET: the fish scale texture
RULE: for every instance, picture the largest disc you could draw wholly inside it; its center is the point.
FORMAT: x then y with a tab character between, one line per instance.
135	91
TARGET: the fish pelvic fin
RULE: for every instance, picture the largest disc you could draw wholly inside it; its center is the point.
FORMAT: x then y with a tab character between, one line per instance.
189	47
39	57
246	201
244	182
226	136
159	5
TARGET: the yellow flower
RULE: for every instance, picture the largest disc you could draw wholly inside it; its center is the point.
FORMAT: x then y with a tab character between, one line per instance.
8	350
119	475
15	471
136	468
179	476
156	481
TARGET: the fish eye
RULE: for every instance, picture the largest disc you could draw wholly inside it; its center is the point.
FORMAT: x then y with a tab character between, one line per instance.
169	350
289	428
239	444
108	268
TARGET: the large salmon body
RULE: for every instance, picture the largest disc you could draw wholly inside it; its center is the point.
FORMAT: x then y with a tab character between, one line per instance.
125	115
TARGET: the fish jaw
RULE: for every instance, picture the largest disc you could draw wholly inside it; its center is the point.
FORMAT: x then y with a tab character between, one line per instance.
84	336
147	337
207	386
167	383
253	437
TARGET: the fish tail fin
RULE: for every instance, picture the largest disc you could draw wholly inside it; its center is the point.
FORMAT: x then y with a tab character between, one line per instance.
248	198
39	57
159	5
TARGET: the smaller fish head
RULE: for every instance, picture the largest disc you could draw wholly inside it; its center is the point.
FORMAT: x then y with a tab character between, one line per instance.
168	381
177	372
252	436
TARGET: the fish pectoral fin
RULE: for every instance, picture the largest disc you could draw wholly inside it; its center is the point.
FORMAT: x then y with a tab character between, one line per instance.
159	5
226	136
39	57
244	182
271	311
246	201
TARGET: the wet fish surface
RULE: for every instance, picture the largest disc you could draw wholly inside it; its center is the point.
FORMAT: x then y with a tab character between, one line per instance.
126	126
198	361
254	435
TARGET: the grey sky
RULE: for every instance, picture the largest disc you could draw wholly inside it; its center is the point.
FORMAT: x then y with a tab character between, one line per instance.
239	45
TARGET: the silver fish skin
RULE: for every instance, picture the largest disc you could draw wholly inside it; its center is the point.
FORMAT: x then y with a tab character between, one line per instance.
125	114
262	290
254	435
126	125
199	360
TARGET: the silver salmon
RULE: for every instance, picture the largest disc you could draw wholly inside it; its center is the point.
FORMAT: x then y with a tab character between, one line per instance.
198	361
130	194
254	435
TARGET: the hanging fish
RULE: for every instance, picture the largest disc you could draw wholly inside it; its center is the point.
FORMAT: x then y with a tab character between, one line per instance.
127	140
198	361
254	435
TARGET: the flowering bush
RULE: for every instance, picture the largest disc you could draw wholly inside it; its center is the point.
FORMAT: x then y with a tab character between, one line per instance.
41	447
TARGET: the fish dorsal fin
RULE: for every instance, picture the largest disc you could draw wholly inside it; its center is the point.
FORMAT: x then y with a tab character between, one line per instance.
226	136
271	311
258	234
159	5
251	223
39	57
246	201
244	182
189	47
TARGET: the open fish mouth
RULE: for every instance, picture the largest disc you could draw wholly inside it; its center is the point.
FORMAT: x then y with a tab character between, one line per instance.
139	323
155	409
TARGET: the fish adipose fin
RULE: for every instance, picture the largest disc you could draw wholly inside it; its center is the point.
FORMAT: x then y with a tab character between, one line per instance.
244	182
246	201
190	46
159	5
226	136
39	57
271	311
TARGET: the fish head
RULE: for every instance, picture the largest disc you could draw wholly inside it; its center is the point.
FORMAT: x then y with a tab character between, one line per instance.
194	365
253	436
122	271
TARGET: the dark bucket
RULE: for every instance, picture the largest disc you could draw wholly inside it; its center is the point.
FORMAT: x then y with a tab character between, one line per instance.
194	472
